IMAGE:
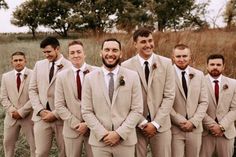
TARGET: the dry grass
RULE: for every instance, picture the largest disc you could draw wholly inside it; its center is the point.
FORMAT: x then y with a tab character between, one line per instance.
202	44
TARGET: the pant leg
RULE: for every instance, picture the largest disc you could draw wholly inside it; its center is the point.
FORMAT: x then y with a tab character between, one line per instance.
224	147
27	129
58	127
208	146
141	146
123	151
161	144
87	147
178	144
73	146
193	144
43	133
102	151
11	134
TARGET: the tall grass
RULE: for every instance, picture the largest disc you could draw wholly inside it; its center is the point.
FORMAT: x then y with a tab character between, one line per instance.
202	44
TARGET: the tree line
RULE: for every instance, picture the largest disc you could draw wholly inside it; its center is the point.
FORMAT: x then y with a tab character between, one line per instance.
100	16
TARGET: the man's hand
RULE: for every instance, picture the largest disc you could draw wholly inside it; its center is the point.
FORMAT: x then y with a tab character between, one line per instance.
149	130
82	128
186	126
112	138
215	130
16	115
47	116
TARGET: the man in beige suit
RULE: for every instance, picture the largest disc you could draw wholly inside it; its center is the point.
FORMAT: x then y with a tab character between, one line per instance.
219	130
112	105
189	107
15	100
158	88
68	101
41	93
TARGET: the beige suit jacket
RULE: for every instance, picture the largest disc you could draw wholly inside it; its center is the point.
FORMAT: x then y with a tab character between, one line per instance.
40	90
13	100
225	110
194	106
67	104
158	95
122	115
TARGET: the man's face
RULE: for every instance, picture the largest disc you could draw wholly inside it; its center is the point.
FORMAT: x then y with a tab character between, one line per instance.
181	58
50	53
18	62
76	55
215	67
144	46
110	54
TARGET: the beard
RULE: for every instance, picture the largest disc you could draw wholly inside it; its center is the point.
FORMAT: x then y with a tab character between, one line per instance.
214	73
110	66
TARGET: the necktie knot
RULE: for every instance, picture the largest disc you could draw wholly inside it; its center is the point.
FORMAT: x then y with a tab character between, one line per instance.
110	74
146	63
78	71
183	73
215	81
18	74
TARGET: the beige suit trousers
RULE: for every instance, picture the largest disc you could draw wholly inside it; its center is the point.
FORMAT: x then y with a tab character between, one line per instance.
11	134
115	151
222	146
44	136
186	144
74	146
160	144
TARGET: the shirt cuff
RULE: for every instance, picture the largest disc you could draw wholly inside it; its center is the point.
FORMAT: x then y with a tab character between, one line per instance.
142	124
156	125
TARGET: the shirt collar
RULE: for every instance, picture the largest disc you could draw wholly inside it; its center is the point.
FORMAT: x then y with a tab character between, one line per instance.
82	68
22	71
213	79
179	71
149	60
115	71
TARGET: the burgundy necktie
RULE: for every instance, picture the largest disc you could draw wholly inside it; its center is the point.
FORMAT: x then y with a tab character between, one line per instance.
18	81
79	87
216	90
146	69
51	72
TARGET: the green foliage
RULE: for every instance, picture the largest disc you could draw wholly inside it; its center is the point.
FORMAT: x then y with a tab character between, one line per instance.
3	4
27	14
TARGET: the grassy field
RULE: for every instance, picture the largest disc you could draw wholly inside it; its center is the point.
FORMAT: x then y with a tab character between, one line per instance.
202	44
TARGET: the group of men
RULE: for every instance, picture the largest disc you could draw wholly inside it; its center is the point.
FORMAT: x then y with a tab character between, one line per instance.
118	109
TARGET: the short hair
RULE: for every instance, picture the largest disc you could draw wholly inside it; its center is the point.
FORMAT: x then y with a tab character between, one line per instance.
75	42
18	53
141	32
50	41
111	39
216	56
181	47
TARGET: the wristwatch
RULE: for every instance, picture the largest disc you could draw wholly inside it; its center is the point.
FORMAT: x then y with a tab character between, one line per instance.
222	128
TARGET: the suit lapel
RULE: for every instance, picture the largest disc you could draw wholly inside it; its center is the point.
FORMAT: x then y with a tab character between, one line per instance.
191	81
140	71
103	85
23	82
73	83
212	93
117	84
179	85
222	90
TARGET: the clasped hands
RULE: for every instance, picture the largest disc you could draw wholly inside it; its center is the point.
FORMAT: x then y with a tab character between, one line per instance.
112	138
186	126
16	115
82	128
149	130
216	130
47	116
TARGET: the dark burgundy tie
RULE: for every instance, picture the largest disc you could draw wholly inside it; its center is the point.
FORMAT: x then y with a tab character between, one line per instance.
216	90
146	69
18	81
184	84
51	72
79	87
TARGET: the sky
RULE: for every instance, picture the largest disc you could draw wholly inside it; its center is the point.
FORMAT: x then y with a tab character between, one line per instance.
215	10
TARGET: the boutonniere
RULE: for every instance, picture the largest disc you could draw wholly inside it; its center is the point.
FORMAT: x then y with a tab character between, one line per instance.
60	66
191	76
154	66
86	71
225	86
122	81
25	76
